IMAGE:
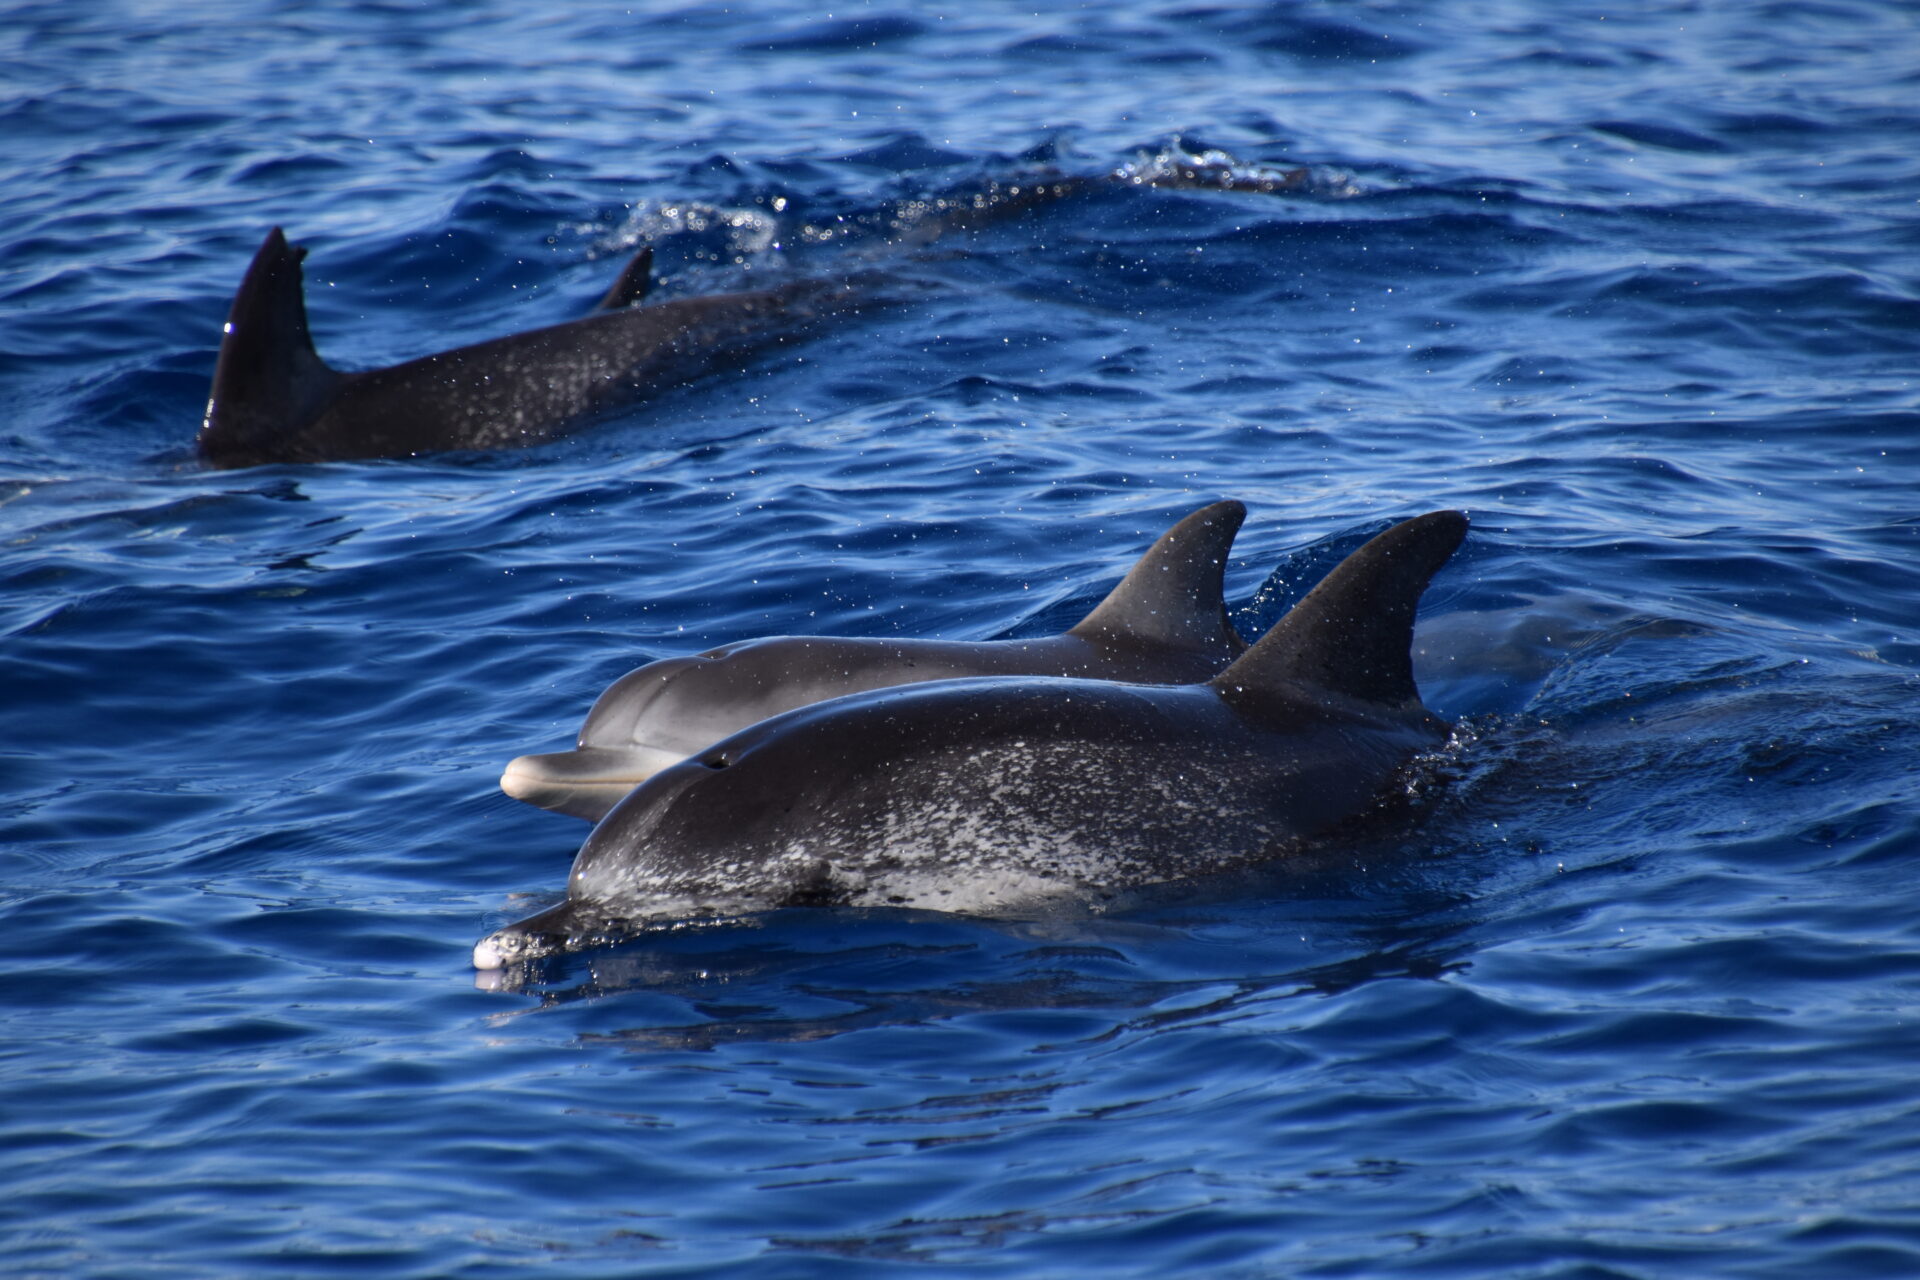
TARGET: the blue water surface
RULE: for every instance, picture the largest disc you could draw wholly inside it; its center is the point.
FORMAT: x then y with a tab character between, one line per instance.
1630	989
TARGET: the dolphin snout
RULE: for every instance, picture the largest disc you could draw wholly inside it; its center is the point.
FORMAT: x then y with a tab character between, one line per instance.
541	934
496	950
583	783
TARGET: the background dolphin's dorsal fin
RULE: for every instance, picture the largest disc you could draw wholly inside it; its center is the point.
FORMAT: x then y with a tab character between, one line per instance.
633	285
269	380
1173	595
1352	634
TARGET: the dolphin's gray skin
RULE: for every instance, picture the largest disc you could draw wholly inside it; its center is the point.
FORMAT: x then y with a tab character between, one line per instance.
275	400
1166	623
986	794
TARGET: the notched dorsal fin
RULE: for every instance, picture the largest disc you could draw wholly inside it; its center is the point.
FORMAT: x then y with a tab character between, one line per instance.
633	285
268	380
1352	634
1173	595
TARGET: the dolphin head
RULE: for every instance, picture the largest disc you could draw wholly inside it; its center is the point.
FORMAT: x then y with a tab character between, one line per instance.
686	843
649	720
713	830
621	745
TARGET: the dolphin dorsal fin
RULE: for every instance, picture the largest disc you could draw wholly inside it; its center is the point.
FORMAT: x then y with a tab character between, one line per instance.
1173	594
268	380
1352	634
633	285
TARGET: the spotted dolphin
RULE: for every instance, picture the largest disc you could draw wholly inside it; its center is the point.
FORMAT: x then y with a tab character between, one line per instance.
275	400
998	793
1165	623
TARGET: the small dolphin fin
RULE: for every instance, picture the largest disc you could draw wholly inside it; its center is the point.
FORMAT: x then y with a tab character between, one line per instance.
268	381
633	285
1173	595
1352	634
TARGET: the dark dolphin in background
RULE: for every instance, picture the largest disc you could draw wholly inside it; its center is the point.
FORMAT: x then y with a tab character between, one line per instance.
1166	623
275	400
997	793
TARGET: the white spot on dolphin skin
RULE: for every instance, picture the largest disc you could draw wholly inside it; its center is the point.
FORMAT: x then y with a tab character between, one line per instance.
1022	824
487	954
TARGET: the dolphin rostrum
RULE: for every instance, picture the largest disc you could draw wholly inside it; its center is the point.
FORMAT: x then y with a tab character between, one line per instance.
1166	623
275	400
1000	793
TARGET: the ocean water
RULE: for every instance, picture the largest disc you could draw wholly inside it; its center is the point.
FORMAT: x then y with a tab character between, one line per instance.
1630	989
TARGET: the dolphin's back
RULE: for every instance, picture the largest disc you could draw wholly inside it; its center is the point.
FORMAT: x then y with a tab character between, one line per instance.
529	387
274	400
